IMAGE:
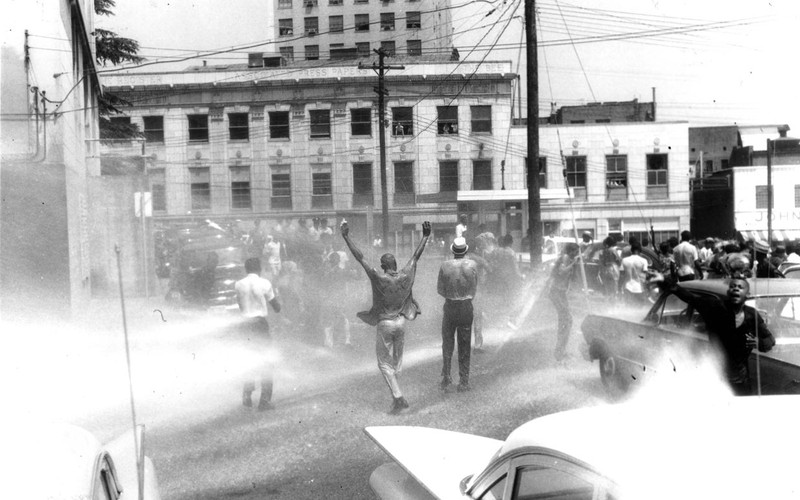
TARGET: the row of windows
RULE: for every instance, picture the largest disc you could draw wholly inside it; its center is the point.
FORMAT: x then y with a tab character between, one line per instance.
762	197
362	49
361	123
361	24
362	182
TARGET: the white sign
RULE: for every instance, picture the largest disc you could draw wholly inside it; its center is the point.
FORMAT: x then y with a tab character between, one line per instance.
148	204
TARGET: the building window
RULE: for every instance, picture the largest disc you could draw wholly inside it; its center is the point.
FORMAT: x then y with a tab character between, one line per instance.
281	190
362	184
362	22
336	24
542	172
414	47
362	49
413	21
404	183
447	120
709	165
200	181
238	126
724	164
762	195
481	119
278	124
321	190
284	4
154	128
320	123
198	128
617	177
240	188
285	27
576	171
158	189
311	25
387	21
312	52
402	122
361	121
388	47
335	2
448	176
360	1
287	53
481	175
657	170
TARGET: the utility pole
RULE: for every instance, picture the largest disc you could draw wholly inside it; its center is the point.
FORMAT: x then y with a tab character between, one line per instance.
769	192
534	202
380	69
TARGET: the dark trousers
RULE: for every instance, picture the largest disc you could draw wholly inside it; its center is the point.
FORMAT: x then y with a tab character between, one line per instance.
457	326
561	303
256	331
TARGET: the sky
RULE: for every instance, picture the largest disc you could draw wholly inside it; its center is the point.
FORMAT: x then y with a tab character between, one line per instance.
715	62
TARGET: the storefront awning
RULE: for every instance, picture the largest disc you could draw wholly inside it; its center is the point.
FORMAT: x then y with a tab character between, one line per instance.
777	235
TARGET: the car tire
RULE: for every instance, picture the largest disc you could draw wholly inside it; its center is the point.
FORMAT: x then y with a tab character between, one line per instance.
613	380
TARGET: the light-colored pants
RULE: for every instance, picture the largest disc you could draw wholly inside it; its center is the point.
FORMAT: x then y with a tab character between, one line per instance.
389	350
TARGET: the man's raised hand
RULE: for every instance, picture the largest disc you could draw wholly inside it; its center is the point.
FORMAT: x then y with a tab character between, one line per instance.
344	228
426	228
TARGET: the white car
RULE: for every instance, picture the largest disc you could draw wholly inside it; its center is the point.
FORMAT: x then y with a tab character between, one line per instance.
61	461
708	448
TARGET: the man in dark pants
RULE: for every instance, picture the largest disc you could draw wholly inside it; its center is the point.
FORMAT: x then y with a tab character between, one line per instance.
558	286
458	282
392	304
253	293
733	329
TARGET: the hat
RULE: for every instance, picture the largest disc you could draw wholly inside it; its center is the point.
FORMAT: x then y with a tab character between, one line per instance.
459	246
761	246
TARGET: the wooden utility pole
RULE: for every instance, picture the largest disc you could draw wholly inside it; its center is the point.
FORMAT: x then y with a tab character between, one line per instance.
381	68
769	192
534	202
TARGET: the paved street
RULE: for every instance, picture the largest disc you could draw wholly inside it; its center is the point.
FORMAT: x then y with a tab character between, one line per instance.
188	370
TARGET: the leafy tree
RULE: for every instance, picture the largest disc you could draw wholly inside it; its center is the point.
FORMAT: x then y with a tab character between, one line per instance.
114	49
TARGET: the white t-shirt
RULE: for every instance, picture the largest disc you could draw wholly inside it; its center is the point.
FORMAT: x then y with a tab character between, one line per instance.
253	293
634	267
273	251
460	230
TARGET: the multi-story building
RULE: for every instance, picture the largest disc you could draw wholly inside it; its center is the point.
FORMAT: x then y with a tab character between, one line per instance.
244	143
49	126
347	29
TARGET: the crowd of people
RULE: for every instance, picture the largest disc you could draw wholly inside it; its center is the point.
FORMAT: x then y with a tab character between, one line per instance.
479	281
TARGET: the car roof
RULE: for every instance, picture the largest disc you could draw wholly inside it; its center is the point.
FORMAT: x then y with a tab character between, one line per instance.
760	287
60	460
709	447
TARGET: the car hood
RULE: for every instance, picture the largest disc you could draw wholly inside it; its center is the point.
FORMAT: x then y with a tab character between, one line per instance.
439	460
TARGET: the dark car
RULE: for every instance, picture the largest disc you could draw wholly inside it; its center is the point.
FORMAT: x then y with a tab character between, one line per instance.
672	339
204	269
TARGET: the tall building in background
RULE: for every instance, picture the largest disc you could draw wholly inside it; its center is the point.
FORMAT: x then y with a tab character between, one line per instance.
348	29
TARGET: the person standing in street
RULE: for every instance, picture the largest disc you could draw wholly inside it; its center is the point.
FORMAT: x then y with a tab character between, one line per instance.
635	267
253	293
558	286
686	257
392	305
457	283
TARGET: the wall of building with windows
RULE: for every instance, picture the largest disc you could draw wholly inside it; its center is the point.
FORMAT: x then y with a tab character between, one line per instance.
346	29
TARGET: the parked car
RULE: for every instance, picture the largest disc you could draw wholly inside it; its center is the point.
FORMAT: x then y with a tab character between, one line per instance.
791	271
61	461
204	268
732	448
672	337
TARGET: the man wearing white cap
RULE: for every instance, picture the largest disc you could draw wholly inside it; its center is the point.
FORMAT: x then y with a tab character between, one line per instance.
457	283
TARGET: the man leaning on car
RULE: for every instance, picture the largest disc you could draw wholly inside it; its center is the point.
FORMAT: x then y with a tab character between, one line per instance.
733	328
